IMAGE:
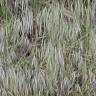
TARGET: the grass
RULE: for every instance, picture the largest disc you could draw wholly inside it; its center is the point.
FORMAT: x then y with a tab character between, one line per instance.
47	49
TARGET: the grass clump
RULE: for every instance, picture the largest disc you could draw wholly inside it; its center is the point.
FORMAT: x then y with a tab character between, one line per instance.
50	52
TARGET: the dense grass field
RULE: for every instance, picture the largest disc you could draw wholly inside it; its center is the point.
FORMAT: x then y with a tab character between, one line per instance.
47	48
